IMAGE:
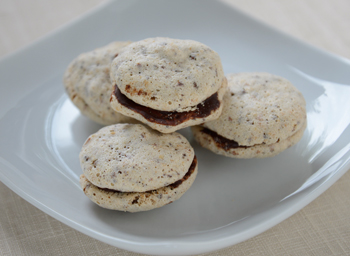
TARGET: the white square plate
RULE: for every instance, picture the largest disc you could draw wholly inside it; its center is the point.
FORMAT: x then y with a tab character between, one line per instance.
41	132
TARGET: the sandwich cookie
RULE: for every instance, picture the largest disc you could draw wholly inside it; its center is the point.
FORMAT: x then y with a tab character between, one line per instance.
168	84
88	84
130	167
263	115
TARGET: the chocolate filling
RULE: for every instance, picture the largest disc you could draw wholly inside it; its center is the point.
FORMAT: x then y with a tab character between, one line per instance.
171	118
222	142
187	175
172	186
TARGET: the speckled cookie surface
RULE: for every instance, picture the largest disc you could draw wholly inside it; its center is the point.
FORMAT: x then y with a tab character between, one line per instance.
135	201
134	158
168	74
86	110
259	108
89	86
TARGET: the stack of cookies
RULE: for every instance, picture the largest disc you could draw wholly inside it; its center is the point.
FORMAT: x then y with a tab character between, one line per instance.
150	89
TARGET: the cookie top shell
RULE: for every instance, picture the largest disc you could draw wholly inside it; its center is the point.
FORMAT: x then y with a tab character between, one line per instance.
167	74
259	108
135	158
87	78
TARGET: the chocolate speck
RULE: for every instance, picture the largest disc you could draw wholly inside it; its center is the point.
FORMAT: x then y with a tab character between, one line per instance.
136	199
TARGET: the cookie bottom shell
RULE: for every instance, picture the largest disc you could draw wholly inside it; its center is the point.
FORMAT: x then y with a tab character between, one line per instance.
135	201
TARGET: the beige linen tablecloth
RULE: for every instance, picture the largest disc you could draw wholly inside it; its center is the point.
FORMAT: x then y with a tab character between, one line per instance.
321	228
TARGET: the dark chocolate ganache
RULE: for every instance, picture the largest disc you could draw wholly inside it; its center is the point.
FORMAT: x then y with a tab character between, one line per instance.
187	175
221	141
171	118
